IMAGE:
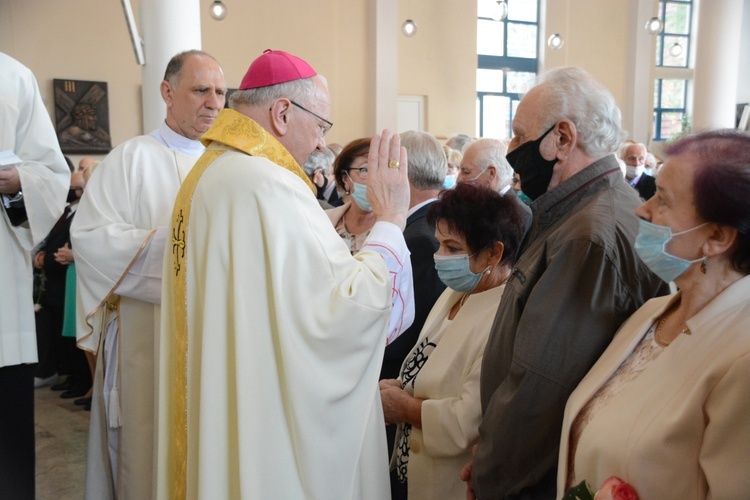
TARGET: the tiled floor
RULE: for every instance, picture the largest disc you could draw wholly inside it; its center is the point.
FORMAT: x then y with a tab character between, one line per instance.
61	436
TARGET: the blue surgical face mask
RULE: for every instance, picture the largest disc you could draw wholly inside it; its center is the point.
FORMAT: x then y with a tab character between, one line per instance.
359	195
450	181
650	245
454	271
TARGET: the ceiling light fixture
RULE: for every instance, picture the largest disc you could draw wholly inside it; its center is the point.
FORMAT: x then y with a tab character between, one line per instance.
555	41
501	11
218	10
409	28
675	50
654	26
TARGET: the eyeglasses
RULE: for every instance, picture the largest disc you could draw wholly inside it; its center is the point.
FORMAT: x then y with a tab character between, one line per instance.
324	127
361	170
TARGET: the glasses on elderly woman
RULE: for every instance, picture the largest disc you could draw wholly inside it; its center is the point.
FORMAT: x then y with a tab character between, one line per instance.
325	126
362	171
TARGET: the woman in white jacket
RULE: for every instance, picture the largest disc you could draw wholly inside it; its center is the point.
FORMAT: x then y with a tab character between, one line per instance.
436	399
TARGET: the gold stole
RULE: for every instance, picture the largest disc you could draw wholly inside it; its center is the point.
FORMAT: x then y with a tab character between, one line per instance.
242	133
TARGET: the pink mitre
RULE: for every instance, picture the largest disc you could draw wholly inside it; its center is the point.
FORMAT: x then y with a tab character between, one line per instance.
274	67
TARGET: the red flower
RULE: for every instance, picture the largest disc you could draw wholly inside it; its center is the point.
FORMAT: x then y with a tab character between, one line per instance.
615	488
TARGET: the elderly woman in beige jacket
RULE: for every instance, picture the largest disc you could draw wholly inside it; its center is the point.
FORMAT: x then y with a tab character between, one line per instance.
667	406
436	399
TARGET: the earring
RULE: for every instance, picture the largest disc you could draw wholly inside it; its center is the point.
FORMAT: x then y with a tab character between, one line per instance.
703	265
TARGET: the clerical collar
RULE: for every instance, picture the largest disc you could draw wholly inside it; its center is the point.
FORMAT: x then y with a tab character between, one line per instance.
177	142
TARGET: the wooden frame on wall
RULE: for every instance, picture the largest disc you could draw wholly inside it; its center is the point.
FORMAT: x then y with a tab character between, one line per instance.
82	117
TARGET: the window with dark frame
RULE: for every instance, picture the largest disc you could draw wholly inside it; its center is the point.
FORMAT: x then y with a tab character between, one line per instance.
673	49
508	62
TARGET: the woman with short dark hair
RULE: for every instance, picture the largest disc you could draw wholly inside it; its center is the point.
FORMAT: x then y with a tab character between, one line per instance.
354	219
436	399
667	407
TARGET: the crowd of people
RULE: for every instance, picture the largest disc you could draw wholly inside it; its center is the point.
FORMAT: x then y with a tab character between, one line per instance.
249	312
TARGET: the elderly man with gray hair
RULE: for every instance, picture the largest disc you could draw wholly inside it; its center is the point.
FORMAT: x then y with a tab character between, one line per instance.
634	155
577	279
458	141
318	167
427	168
484	163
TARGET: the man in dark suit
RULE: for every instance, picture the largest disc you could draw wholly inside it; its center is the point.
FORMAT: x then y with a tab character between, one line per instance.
484	163
634	156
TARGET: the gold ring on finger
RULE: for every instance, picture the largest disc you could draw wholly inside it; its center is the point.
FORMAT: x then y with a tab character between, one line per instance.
393	164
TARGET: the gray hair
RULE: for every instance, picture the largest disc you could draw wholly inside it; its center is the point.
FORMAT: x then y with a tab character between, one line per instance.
572	93
492	152
625	146
301	91
427	162
458	142
322	160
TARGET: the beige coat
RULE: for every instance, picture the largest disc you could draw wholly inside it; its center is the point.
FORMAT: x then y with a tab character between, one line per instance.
681	428
449	381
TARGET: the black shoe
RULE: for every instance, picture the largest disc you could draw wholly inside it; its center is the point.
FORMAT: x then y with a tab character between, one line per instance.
62	386
88	406
75	392
82	401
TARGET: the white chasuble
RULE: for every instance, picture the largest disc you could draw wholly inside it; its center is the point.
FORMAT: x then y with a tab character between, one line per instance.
273	335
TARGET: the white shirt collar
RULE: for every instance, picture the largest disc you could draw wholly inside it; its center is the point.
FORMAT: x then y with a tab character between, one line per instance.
177	142
418	206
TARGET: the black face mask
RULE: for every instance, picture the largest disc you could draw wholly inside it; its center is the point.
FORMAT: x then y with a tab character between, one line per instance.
534	170
72	195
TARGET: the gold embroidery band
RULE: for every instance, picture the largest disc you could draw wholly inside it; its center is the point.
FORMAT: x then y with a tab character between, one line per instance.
244	134
178	431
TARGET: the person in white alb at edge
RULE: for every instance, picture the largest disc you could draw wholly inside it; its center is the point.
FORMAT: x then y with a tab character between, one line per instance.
34	181
118	240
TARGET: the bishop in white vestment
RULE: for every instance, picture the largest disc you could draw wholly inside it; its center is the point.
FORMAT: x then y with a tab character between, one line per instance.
272	332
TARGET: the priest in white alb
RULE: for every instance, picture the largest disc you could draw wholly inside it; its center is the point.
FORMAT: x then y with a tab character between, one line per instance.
34	180
272	332
118	238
